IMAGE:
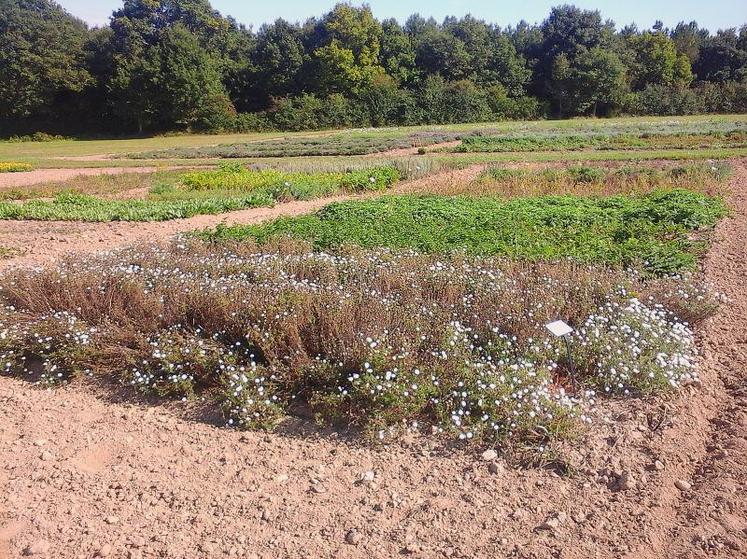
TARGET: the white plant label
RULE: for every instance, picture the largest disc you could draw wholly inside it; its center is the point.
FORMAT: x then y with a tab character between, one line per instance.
559	328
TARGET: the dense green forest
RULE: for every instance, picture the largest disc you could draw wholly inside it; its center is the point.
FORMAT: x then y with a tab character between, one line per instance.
180	65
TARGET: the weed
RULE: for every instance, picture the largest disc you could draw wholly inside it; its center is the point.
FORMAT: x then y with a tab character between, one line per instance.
587	180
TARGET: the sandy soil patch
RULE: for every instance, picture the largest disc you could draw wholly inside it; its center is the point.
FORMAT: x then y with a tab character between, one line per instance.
39	176
89	471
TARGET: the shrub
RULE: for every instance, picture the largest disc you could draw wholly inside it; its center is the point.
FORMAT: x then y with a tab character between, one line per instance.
630	346
38	137
250	122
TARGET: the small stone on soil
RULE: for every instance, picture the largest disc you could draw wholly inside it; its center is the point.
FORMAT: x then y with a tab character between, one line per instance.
104	551
37	548
489	455
353	537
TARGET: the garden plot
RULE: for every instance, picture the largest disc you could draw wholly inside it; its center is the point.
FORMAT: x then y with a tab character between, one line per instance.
603	142
230	188
658	232
338	145
588	179
380	340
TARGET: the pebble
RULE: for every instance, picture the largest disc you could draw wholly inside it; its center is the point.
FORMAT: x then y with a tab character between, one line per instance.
658	465
519	514
37	548
682	485
626	481
46	456
495	468
112	520
553	522
368	476
104	551
489	455
40	442
353	537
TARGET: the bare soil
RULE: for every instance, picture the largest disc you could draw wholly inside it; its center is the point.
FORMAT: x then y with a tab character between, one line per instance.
38	242
89	471
405	152
39	176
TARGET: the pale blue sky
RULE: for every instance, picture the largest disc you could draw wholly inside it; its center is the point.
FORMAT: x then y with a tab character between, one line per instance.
713	14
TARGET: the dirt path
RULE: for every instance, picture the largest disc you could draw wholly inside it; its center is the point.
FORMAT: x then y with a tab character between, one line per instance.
87	471
412	151
712	519
41	242
37	242
39	176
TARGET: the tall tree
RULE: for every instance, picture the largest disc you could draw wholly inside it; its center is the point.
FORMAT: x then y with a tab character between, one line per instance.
152	40
688	38
397	54
42	59
656	62
347	57
279	57
598	80
723	57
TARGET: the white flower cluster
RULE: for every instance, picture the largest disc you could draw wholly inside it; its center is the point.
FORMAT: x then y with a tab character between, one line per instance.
370	337
249	400
634	347
42	348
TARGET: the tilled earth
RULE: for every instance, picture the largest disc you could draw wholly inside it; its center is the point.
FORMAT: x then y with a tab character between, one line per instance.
87	471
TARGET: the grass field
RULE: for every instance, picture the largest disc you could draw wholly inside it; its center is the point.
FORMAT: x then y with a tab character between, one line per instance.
422	305
48	154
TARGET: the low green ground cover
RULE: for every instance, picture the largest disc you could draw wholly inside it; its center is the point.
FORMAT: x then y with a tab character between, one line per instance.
654	230
205	192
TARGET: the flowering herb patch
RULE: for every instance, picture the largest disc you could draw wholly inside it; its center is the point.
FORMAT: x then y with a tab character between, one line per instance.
654	231
373	338
14	167
337	144
564	142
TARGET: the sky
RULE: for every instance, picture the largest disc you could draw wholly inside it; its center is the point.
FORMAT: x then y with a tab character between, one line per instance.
713	14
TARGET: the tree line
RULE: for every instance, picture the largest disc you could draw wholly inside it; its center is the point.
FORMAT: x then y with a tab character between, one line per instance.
179	64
